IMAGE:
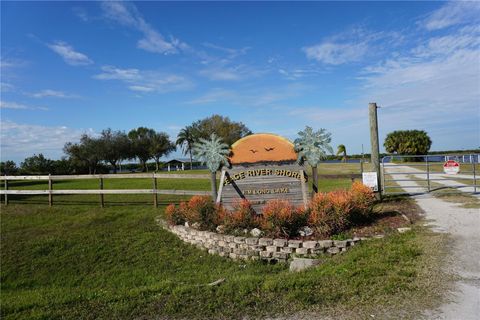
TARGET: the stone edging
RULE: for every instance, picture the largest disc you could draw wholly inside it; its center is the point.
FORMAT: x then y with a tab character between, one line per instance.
275	250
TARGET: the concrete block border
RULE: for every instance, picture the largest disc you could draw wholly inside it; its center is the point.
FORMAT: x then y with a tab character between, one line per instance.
251	248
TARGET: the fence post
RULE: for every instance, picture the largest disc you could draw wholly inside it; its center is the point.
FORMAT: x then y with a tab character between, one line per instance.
474	178
6	188
155	198
102	200
50	187
428	172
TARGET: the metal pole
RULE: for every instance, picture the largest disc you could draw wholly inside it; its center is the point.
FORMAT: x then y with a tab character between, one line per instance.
375	156
102	203
474	178
428	172
6	188
155	198
50	187
361	162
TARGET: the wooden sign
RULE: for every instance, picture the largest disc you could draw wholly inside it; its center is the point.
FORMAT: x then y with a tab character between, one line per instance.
263	168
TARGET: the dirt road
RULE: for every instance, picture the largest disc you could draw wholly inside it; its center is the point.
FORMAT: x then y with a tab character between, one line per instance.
464	227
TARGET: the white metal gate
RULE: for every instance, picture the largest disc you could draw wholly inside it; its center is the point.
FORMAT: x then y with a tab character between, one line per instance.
405	174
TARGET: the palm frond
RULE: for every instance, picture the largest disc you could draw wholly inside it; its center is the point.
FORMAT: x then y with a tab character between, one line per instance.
312	146
212	152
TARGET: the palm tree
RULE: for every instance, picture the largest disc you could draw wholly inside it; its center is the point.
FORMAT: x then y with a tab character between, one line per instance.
213	153
341	149
186	139
312	146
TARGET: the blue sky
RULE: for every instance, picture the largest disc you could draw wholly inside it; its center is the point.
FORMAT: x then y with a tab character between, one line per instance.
73	67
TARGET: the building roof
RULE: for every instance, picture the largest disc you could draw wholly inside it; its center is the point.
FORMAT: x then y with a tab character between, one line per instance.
182	160
262	147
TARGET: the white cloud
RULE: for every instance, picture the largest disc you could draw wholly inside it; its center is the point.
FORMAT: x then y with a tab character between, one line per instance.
453	13
435	87
23	140
221	72
6	87
336	53
52	93
18	106
69	55
231	52
127	15
145	80
351	46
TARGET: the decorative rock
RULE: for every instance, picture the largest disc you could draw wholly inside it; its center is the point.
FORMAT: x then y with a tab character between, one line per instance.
287	250
305	231
333	250
340	243
229	238
302	251
213	251
311	244
379	236
295	243
403	230
233	245
220	229
280	242
325	243
233	256
239	240
280	255
196	225
251	241
266	254
271	248
255	232
265	241
299	264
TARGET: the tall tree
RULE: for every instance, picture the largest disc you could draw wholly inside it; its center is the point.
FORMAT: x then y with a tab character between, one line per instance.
312	146
408	142
8	168
37	164
229	131
115	147
213	152
160	146
88	152
186	139
341	149
141	144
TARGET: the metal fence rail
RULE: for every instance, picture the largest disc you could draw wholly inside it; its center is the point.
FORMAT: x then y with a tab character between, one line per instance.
424	174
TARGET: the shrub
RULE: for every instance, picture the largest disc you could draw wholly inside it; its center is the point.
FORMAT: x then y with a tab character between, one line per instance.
242	217
201	209
281	219
174	215
333	212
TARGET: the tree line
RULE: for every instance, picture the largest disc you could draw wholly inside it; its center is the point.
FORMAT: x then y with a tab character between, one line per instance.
102	153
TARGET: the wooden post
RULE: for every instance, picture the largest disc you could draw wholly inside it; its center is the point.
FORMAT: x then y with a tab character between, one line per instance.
102	203
50	188
314	179
213	183
155	198
304	188
220	188
6	188
375	156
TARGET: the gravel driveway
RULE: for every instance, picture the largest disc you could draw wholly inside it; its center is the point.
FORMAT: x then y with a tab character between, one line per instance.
464	227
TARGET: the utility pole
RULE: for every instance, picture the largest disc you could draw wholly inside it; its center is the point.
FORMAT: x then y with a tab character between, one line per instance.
375	157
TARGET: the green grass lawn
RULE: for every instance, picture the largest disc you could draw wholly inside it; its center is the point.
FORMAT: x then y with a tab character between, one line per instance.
84	262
